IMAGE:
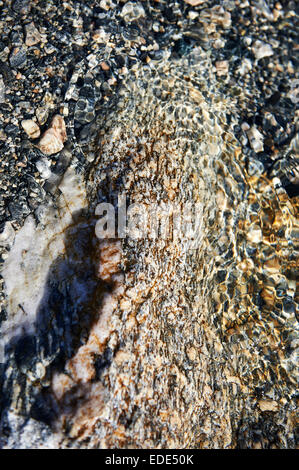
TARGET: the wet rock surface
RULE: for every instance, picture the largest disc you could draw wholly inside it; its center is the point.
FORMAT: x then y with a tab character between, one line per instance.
142	343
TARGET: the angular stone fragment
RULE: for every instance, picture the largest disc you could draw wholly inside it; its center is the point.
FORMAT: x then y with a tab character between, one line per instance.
32	35
107	4
222	67
245	67
255	235
53	139
261	50
18	57
132	12
43	166
218	16
256	139
42	114
7	235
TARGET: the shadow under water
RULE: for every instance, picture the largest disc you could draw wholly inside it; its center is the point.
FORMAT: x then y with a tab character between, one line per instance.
70	305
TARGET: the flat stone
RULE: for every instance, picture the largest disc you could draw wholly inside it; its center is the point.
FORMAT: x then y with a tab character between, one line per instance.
194	3
18	57
268	405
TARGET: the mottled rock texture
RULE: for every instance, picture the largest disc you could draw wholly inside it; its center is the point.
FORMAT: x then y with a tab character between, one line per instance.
150	342
144	343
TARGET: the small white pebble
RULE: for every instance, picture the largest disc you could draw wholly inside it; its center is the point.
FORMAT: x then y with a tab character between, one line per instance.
43	166
261	50
256	139
31	128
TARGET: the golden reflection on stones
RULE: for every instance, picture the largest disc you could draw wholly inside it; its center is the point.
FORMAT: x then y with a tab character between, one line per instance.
226	296
185	345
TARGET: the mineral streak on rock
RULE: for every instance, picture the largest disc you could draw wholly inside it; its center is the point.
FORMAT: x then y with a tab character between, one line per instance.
143	343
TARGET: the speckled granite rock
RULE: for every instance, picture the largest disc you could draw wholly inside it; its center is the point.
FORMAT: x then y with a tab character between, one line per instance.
142	343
